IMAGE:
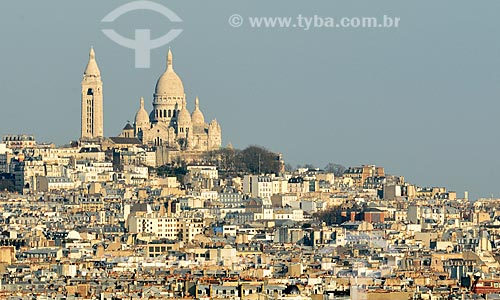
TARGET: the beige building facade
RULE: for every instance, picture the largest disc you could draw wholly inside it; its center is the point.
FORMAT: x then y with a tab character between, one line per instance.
170	124
170	127
92	111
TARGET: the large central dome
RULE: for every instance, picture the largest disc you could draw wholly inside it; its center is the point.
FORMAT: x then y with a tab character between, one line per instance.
169	83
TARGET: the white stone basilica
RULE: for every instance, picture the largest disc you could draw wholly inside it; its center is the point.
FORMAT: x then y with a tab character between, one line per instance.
170	123
168	126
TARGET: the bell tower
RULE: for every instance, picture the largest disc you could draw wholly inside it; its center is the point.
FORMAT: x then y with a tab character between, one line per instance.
92	111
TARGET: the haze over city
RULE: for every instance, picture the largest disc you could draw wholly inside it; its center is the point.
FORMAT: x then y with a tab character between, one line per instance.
231	150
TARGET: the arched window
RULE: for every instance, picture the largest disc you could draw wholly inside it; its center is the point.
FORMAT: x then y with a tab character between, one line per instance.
164	113
169	113
156	113
173	113
161	114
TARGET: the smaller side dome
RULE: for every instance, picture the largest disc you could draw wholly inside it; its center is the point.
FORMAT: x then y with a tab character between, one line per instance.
197	116
184	118
141	117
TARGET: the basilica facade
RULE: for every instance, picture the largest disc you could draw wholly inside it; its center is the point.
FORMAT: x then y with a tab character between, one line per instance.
170	123
169	126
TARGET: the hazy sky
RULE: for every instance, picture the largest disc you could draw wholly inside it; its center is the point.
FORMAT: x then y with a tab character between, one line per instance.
421	100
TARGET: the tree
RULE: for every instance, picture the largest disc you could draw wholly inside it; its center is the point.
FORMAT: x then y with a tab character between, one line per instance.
227	158
172	170
330	216
336	169
256	159
339	214
253	159
7	185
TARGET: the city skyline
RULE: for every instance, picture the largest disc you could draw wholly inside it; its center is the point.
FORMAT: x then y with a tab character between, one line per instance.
233	150
359	96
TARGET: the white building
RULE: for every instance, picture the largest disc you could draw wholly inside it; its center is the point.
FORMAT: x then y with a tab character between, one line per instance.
258	185
289	214
162	226
184	227
204	171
